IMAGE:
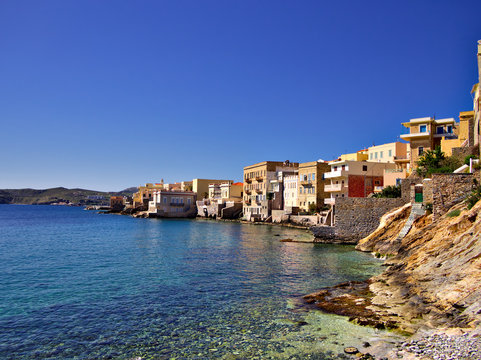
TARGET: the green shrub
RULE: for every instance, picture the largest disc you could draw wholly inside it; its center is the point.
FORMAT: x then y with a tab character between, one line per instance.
472	199
389	192
466	159
454	213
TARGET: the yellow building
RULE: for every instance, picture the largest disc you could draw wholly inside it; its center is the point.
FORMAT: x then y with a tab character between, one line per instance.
264	188
201	186
426	134
145	193
311	184
465	134
360	155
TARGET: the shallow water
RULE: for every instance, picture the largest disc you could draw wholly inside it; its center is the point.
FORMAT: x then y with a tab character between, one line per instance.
76	284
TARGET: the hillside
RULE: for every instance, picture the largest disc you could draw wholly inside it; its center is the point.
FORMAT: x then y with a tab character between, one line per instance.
59	195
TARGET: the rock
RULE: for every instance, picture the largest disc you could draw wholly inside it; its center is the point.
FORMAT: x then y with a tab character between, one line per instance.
351	350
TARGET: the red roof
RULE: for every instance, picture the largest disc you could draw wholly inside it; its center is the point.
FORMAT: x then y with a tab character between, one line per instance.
238	183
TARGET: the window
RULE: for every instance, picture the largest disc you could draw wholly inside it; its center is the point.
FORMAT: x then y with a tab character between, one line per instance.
364	167
390	153
450	129
165	200
375	155
422	128
313	177
420	150
381	154
439	130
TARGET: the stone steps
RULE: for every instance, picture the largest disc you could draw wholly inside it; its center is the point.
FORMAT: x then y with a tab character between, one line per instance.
416	211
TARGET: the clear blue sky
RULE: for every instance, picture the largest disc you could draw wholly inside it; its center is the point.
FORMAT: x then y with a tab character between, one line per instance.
111	94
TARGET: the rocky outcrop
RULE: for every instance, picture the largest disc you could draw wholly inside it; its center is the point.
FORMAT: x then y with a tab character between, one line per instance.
433	277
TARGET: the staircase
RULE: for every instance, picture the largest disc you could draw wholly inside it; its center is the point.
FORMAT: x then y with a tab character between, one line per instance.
416	211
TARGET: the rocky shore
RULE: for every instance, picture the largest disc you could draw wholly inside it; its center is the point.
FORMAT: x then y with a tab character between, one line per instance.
430	290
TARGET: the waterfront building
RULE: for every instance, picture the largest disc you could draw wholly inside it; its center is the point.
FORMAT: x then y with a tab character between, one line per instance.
117	203
291	183
264	188
427	133
311	189
166	203
201	186
354	179
224	201
145	193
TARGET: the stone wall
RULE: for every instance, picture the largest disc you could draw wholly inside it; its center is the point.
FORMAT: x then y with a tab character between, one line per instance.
406	194
448	190
355	218
462	152
428	192
231	211
280	216
304	220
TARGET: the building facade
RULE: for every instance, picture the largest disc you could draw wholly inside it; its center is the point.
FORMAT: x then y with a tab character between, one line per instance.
354	179
264	188
166	203
426	134
291	183
201	186
311	189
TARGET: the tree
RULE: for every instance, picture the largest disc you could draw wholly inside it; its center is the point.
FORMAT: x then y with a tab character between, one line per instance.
429	162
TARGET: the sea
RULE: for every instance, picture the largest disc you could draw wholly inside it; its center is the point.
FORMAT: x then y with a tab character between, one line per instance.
76	284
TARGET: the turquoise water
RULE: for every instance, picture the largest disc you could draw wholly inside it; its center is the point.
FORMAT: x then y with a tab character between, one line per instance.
78	285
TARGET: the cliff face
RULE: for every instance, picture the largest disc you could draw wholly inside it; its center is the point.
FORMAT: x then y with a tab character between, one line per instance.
435	277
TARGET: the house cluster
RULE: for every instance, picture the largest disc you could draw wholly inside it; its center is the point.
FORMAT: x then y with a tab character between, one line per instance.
293	188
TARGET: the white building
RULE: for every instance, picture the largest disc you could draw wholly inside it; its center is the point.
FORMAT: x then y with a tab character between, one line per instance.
291	183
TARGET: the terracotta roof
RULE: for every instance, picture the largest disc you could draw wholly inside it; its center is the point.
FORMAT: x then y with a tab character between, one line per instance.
238	183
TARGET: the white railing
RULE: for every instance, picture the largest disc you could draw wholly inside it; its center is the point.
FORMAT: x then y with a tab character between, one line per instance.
333	187
334	174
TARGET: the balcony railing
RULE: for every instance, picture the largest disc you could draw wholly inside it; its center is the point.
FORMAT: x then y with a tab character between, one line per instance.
248	191
259	191
306	182
248	180
259	178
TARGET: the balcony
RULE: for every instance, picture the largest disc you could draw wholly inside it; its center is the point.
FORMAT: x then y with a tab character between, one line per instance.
333	187
306	182
259	191
248	180
176	204
259	178
247	191
404	158
417	135
335	174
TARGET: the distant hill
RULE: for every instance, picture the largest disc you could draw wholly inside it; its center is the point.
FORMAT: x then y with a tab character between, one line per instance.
59	195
